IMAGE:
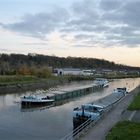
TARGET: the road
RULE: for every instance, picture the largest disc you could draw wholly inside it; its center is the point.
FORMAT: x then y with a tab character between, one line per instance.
101	129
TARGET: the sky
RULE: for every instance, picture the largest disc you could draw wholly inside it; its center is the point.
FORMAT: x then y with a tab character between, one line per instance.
104	29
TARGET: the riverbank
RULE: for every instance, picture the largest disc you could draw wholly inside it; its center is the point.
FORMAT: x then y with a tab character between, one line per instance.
15	84
129	126
19	83
102	127
135	105
125	130
110	77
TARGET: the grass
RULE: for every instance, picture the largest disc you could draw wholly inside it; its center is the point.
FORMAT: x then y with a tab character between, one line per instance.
20	79
125	130
16	79
135	105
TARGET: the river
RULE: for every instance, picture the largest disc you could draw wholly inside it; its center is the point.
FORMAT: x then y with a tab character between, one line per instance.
50	123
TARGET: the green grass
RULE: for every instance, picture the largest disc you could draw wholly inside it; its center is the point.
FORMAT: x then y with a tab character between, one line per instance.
16	79
135	105
20	79
125	130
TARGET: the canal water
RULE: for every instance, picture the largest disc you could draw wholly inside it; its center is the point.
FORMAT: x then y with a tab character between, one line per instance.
46	123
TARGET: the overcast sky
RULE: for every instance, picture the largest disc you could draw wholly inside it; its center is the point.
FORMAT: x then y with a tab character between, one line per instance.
106	29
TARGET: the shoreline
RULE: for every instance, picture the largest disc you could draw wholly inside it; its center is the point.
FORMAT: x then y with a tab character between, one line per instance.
41	84
103	126
18	88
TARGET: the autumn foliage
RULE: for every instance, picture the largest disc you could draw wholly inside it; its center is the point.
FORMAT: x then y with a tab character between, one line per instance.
42	72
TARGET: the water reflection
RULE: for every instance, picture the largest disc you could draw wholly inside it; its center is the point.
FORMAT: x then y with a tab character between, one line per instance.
48	123
35	108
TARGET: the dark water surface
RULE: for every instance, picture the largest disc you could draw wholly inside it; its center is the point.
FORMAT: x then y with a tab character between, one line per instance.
49	123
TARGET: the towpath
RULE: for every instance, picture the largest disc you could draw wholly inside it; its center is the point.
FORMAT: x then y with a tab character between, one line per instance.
101	129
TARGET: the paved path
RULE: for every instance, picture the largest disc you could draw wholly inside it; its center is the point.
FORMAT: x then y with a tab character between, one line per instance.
131	116
101	129
136	117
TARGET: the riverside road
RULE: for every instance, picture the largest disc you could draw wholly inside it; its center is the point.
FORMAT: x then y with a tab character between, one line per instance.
101	129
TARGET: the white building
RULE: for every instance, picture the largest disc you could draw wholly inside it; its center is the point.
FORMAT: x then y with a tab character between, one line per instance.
73	71
67	71
87	72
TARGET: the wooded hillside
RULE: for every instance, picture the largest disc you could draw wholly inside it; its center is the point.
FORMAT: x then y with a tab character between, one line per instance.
15	63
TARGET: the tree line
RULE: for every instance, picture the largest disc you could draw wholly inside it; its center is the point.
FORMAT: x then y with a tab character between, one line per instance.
36	64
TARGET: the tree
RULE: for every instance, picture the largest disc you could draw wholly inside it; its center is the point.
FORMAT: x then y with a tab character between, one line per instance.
24	70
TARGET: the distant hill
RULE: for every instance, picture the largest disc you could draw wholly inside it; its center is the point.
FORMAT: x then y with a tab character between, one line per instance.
10	63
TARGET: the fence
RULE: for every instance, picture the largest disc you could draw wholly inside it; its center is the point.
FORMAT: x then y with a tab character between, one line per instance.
84	127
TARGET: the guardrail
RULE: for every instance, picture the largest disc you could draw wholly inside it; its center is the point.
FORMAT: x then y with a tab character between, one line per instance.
76	133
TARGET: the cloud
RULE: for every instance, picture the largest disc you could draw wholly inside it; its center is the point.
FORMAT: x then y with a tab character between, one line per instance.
106	22
110	5
117	22
126	13
5	50
131	13
39	25
38	44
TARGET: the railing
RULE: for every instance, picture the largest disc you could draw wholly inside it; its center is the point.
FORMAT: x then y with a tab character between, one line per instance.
76	133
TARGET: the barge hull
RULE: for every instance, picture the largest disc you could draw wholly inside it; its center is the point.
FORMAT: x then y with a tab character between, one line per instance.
26	103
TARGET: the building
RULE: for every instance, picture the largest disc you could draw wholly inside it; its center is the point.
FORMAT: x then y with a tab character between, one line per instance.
88	72
67	71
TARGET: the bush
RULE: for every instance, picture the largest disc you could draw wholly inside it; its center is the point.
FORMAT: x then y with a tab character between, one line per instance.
43	72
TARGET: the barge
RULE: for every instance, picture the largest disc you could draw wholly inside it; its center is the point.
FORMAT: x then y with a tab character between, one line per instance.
95	109
36	100
101	82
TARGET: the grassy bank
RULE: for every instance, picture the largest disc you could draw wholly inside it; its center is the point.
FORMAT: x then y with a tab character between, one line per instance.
19	79
18	84
14	79
135	105
80	78
125	130
118	76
